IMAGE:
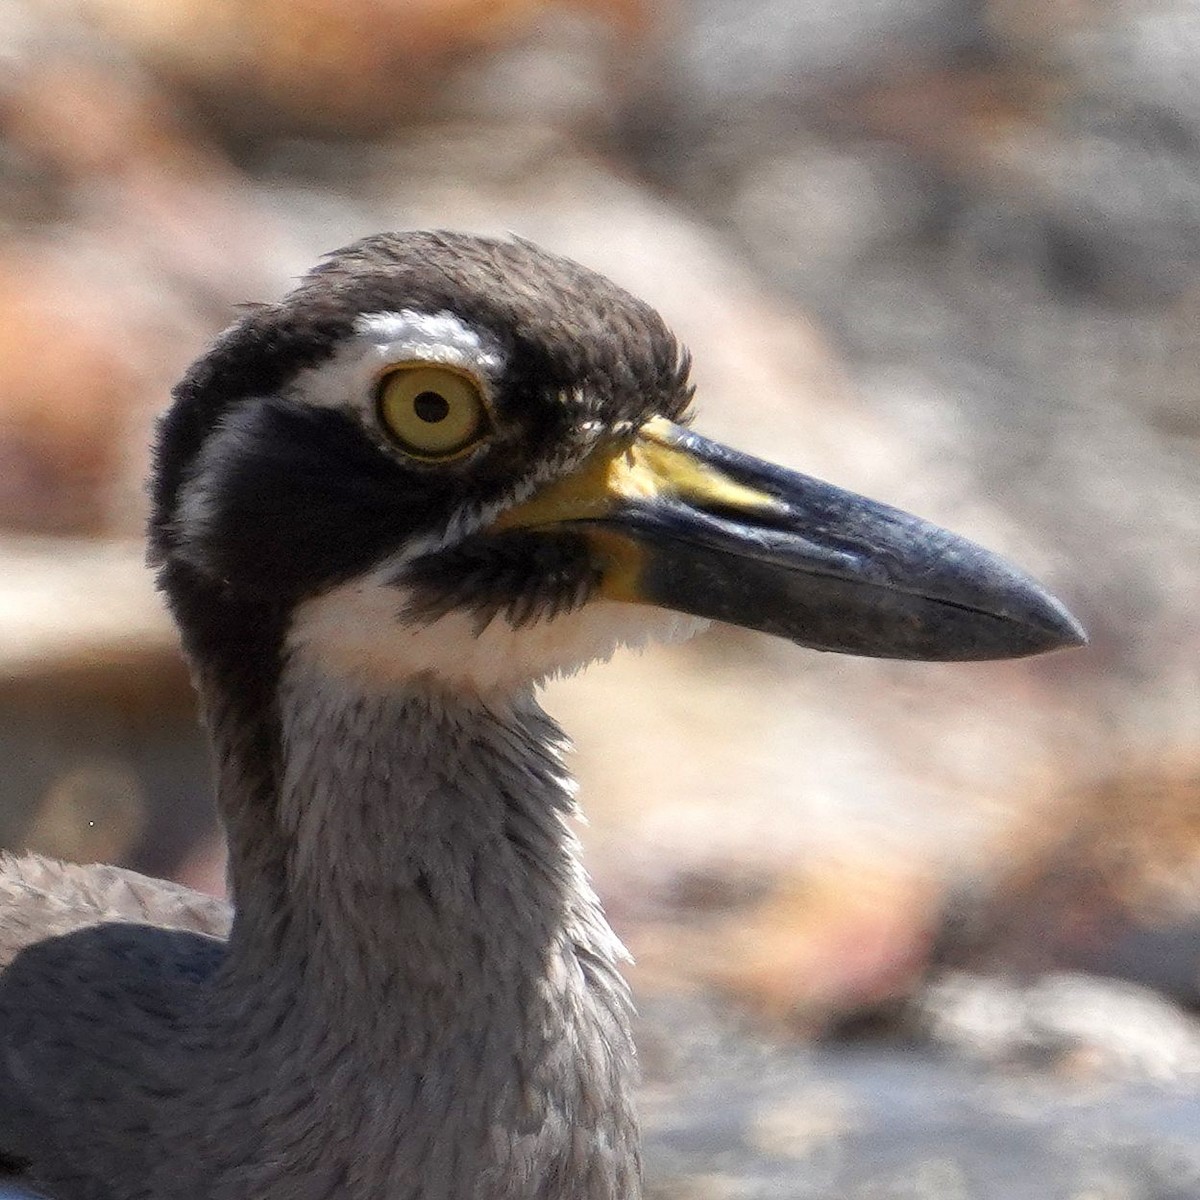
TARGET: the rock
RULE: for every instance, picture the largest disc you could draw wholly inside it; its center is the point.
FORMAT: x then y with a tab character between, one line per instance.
842	942
1107	884
124	248
315	67
1072	1024
731	1112
98	732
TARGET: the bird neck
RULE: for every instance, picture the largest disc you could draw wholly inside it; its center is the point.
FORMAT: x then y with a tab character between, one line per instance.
420	907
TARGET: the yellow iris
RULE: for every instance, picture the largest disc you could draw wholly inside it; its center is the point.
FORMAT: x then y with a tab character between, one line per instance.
432	412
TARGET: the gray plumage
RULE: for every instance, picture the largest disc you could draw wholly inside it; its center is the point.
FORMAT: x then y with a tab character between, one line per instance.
418	997
444	959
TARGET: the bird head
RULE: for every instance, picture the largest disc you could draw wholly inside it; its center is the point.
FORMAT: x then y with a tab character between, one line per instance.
468	459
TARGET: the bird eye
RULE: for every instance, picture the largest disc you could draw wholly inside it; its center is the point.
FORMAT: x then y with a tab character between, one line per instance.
432	412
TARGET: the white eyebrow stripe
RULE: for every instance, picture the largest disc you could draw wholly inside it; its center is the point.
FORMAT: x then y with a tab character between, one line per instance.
347	379
442	333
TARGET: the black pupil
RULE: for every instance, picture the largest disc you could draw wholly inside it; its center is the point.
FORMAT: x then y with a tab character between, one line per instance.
431	407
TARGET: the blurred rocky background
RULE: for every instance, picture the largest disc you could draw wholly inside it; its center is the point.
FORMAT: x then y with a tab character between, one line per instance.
903	931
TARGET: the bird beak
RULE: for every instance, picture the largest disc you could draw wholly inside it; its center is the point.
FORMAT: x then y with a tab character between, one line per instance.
681	522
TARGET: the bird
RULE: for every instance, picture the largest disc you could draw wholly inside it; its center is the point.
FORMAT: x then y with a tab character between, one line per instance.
384	509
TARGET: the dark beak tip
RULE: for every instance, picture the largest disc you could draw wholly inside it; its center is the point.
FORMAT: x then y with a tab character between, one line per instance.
1042	623
1062	631
1073	633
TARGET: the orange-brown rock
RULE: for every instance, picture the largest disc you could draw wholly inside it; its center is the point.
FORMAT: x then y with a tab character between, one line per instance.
331	66
1110	883
64	383
840	940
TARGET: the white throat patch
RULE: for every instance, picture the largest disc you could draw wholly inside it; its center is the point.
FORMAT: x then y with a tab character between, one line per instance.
359	631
